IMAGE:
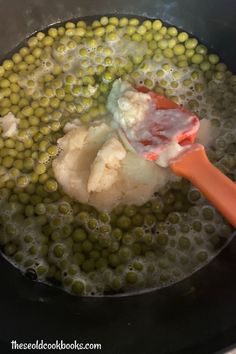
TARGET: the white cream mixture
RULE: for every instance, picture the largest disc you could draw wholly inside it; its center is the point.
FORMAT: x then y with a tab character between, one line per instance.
95	168
9	125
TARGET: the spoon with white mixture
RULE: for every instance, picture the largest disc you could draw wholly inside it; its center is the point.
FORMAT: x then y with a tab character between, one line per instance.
166	136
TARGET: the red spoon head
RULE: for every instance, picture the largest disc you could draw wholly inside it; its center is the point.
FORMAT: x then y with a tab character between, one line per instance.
177	124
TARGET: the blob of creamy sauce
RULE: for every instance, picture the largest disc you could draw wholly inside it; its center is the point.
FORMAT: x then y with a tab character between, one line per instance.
9	125
128	106
94	167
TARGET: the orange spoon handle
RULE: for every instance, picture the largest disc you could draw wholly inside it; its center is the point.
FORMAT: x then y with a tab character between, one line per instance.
217	188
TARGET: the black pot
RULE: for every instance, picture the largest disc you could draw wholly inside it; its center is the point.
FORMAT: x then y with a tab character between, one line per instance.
197	315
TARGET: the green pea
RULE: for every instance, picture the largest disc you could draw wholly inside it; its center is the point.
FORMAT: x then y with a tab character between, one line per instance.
94	254
10	248
51	185
137	266
2	70
34	121
117	233
10	230
168	53
179	49
201	49
92	223
37	52
18	256
221	67
104	217
172	31
162	44
148	239
184	243
77	287
183	36
105	240
184	228
209	228
127	239
22	181
99	31
83	217
40	168
123	222
202	256
8	64
58	251
213	58
79	235
194	196
9	143
104	229
77	247
43	157
28	163
197	226
174	218
162	239
163	30
208	213
41	269
79	258
29	210
138	233
87	246
101	263
113	260
10	184
123	22
150	219
191	43
124	254
7	161
156	25
65	208
197	58
27	111
40	209
88	265
116	283
24	198
131	278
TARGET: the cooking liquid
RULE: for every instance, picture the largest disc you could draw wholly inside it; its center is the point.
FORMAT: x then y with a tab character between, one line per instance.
174	263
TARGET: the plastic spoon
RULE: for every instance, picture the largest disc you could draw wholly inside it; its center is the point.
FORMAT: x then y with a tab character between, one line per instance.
191	163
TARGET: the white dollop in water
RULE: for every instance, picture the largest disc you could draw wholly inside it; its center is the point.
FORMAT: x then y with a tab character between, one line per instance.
94	167
128	106
9	125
